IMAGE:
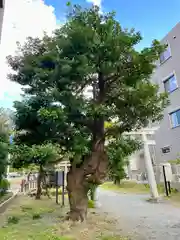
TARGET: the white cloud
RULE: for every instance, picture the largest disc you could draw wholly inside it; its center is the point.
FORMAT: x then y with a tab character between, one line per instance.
22	18
96	2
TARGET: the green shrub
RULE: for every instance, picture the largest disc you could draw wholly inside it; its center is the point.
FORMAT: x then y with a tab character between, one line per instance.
174	190
4	186
53	191
91	204
92	190
36	216
13	220
175	162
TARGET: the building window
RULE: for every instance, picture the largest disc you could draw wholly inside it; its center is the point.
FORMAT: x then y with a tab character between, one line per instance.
165	55
1	3
175	118
170	84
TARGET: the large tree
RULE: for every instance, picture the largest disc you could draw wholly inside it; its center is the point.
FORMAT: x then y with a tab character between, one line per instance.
91	50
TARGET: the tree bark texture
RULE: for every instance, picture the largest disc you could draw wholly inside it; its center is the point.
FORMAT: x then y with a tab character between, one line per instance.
94	167
78	182
46	185
39	183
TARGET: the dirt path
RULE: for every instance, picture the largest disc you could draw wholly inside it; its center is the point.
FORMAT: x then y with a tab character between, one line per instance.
140	218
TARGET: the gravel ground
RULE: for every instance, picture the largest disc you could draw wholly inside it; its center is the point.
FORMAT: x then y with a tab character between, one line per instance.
139	218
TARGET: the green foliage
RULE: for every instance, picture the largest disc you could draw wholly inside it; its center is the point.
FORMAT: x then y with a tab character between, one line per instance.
89	50
91	204
115	238
13	220
39	155
3	158
4	185
92	190
36	216
176	161
118	152
4	140
53	191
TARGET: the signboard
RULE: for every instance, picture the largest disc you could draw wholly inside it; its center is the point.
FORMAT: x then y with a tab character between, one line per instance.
166	149
59	178
59	183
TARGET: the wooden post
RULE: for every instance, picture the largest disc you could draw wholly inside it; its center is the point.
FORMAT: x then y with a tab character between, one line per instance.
63	183
57	202
165	181
169	187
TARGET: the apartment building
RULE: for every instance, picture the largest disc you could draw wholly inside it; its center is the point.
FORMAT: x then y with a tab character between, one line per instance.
167	76
2	3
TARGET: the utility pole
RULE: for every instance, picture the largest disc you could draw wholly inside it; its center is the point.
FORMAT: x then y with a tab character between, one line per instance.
149	168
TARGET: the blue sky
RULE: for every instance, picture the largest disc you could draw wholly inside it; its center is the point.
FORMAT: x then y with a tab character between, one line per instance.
153	18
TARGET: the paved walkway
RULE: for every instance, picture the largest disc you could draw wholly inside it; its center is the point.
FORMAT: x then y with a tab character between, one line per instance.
140	218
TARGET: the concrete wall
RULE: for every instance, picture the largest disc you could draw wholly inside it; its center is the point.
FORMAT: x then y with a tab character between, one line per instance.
167	136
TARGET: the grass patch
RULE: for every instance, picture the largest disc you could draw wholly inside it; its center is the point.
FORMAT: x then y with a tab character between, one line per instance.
31	219
133	187
52	191
5	197
127	187
174	198
114	238
13	220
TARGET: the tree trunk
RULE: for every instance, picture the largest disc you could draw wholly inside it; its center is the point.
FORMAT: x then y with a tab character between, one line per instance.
117	181
46	186
77	194
93	170
39	183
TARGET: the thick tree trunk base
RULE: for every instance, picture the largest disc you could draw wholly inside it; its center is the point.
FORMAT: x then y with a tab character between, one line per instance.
79	179
39	183
78	202
77	194
76	216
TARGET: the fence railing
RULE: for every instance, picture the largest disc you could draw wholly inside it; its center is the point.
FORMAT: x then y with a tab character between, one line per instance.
27	186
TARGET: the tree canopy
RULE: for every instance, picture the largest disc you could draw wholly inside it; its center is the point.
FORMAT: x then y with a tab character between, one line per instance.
56	71
43	155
